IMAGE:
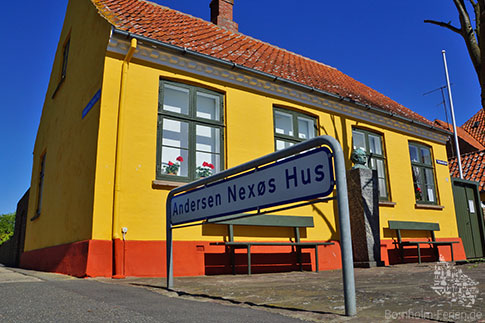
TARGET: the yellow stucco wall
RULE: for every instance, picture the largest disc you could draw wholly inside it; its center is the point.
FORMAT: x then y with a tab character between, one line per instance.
68	141
248	135
79	195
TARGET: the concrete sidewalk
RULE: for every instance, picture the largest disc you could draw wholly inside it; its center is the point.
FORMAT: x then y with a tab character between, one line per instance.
7	275
442	292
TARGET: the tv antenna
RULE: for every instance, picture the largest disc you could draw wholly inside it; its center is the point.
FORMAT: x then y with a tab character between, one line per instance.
441	89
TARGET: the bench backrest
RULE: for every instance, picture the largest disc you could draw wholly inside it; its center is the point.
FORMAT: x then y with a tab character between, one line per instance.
418	226
271	220
406	225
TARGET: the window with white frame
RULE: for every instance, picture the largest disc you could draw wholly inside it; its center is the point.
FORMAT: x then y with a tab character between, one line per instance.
423	173
190	132
291	127
372	144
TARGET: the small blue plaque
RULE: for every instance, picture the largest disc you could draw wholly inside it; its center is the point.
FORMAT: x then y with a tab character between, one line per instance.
441	162
91	103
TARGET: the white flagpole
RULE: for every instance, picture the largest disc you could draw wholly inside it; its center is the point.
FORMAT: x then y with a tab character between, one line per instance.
457	146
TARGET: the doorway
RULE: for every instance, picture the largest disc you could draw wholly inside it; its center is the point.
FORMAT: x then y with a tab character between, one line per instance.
469	217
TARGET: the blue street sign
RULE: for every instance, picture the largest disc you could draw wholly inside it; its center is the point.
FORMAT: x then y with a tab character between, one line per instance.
302	177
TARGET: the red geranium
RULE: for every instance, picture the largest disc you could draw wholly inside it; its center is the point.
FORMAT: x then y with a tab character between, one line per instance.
204	170
180	159
170	163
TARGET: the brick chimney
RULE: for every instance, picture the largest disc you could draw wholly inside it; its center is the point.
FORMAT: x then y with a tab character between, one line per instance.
221	14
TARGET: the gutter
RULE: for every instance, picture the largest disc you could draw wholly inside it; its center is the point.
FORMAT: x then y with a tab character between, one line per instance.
208	58
116	230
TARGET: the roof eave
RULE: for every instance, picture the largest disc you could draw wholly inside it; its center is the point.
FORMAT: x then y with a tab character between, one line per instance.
274	78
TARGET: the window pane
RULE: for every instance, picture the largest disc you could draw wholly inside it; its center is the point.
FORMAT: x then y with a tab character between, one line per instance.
283	123
281	144
429	178
175	99
175	161
416	174
418	187
371	163
375	145
306	128
413	152
380	168
358	139
381	175
175	133
207	139
382	188
208	106
426	156
418	192
207	164
431	195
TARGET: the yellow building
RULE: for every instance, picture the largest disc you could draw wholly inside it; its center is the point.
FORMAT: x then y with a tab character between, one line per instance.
143	99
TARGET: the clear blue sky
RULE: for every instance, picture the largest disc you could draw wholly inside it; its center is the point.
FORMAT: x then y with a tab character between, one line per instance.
384	44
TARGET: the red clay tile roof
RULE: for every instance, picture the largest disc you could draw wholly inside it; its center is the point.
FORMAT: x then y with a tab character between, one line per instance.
461	133
473	165
476	126
173	27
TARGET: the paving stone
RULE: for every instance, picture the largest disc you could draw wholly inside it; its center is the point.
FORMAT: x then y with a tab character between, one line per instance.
410	292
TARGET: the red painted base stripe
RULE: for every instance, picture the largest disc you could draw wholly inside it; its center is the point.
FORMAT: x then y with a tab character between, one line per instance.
66	259
93	258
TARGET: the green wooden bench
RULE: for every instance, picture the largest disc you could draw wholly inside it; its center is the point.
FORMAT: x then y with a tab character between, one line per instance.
268	220
419	226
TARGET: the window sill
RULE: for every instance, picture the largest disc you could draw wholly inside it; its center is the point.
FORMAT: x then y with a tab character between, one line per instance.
166	185
387	203
428	206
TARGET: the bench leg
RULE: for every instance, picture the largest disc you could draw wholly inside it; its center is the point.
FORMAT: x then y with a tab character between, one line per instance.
419	254
233	259
452	258
401	252
249	260
316	259
436	252
298	257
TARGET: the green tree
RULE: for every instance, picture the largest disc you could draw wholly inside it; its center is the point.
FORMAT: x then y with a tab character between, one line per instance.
7	226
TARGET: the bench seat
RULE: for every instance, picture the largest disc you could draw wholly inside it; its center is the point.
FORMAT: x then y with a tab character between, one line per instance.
429	242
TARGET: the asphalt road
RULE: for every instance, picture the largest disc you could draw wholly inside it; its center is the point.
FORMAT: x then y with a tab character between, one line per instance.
27	296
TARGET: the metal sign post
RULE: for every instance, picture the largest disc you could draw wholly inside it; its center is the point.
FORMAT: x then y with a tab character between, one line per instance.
265	182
